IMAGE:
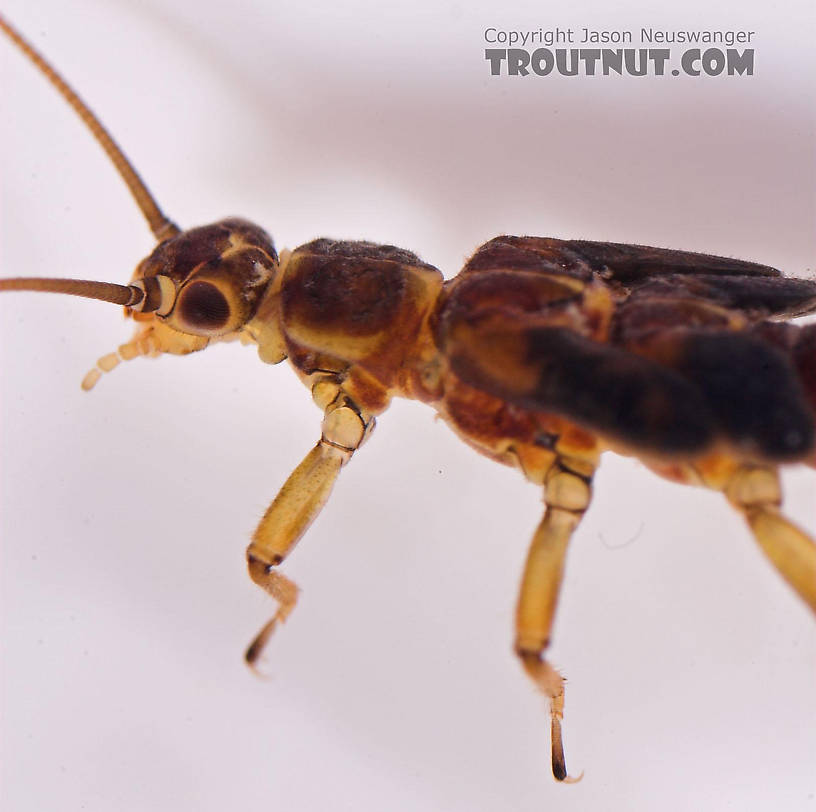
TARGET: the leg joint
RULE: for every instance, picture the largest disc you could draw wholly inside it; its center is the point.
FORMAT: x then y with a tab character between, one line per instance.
259	568
753	487
529	649
345	426
567	490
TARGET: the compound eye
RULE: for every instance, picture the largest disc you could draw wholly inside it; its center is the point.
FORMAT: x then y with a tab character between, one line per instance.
202	308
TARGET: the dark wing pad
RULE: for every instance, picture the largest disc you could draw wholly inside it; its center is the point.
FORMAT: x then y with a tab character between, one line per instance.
629	264
759	295
603	388
752	388
626	264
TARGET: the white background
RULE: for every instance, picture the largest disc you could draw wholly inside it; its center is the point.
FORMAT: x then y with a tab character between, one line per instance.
125	512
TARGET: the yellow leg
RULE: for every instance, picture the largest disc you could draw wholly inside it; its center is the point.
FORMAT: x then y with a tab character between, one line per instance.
756	493
296	506
567	497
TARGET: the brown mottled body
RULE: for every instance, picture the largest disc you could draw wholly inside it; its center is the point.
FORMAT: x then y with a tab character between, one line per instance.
541	354
642	362
359	311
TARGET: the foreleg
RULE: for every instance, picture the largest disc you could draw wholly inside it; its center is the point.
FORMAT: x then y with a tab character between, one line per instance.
296	506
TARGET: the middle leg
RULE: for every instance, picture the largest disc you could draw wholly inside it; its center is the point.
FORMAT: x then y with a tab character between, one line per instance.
567	495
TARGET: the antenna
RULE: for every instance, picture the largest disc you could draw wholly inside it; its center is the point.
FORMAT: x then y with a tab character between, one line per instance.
161	226
127	295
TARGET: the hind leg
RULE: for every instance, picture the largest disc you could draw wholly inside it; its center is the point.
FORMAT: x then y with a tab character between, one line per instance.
755	492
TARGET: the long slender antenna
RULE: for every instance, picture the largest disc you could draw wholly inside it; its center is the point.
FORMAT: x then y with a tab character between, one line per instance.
128	295
161	227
